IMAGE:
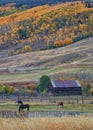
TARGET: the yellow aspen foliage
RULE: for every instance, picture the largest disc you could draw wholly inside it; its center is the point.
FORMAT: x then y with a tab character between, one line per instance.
18	51
91	91
68	41
60	78
56	25
11	89
32	86
72	35
44	26
27	48
82	26
58	43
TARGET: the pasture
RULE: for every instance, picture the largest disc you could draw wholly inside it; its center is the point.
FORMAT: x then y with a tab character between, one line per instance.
46	116
41	107
48	123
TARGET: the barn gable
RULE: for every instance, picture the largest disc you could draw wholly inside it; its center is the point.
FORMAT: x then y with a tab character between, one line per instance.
65	87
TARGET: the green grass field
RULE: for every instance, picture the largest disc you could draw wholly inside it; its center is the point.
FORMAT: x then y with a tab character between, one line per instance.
35	75
11	106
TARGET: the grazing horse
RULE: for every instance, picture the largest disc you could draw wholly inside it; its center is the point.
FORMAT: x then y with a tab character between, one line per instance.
19	102
60	104
24	106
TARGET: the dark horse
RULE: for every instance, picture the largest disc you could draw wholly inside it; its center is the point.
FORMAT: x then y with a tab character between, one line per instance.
60	104
24	106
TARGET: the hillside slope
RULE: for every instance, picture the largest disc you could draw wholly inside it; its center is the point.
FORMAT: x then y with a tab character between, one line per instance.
32	3
75	58
45	27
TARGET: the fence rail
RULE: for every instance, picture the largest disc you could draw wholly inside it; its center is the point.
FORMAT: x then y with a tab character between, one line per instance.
11	114
46	99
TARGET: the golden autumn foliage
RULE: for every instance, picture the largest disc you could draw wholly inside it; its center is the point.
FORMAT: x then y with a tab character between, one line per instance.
91	91
56	25
27	48
32	86
59	43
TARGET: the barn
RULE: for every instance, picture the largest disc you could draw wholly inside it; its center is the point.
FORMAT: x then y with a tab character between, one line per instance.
64	87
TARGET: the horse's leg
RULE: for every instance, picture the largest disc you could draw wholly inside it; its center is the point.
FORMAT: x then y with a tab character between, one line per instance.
22	109
19	109
28	108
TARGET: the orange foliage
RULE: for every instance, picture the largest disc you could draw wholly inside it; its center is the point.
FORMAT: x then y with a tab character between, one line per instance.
63	42
52	25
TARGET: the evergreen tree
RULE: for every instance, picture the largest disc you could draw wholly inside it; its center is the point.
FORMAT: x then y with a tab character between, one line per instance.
44	82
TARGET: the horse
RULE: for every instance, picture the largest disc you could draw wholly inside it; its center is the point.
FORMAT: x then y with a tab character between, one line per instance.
60	104
19	102
24	106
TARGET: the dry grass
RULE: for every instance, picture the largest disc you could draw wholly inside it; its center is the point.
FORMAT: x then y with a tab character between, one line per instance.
74	58
78	53
64	123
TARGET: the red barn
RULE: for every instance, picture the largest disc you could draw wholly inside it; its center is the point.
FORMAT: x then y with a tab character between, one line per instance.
64	87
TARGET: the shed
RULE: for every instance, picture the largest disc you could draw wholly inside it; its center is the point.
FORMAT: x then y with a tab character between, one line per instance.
65	87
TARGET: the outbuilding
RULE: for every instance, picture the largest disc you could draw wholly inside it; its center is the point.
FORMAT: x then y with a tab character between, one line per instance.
64	87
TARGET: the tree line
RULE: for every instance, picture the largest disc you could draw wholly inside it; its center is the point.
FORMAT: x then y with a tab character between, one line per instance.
32	3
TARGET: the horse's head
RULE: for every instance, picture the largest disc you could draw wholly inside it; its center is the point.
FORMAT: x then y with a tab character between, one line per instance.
60	104
19	102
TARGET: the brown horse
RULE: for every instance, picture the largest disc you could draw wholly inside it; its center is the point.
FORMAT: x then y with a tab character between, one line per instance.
60	104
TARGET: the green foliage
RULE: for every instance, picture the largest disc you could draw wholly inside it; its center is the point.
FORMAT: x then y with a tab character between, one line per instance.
44	82
6	89
23	7
60	22
86	89
82	36
10	53
23	34
89	5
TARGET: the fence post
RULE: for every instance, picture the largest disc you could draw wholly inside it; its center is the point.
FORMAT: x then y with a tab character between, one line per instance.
82	99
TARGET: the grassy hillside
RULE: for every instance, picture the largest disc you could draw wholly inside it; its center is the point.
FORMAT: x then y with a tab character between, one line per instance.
70	62
45	27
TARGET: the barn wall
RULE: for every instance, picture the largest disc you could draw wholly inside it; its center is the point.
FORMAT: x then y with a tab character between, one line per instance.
64	91
67	91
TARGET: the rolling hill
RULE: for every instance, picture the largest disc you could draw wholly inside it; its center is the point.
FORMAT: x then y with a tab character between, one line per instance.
68	62
45	27
47	40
